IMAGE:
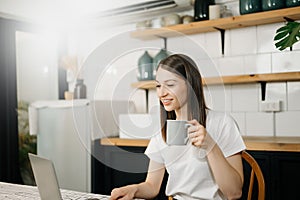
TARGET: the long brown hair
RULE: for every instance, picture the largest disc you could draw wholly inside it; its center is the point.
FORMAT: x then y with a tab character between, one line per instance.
185	67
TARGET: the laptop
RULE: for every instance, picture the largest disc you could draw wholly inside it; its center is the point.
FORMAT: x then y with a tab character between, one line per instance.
47	182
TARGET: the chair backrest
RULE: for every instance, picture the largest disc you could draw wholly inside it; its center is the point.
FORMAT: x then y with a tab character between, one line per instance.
255	173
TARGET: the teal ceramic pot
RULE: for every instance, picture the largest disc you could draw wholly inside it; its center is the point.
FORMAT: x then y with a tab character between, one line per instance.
250	6
292	3
201	9
157	58
272	4
145	67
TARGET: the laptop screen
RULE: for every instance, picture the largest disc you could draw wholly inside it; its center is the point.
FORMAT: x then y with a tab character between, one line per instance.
45	177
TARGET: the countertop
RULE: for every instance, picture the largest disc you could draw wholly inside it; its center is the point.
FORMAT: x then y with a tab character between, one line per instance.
288	144
27	192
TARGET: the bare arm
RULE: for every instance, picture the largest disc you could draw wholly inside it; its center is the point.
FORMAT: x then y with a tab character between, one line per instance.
228	172
147	190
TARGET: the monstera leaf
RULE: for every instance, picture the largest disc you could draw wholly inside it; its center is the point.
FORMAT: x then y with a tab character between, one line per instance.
287	35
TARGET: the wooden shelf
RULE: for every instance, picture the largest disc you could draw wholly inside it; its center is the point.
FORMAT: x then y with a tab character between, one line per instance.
124	142
255	143
266	17
291	144
238	79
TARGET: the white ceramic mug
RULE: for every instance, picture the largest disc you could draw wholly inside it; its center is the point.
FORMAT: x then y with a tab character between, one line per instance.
214	11
177	132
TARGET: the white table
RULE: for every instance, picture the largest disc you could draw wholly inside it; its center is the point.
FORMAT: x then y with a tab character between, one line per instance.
25	192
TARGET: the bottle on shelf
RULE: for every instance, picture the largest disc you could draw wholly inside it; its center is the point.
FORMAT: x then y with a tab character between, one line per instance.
80	89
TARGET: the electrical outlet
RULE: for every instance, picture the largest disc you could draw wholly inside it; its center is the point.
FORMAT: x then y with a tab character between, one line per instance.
270	106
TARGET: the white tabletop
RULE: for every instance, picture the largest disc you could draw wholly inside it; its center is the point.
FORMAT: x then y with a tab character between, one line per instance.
16	191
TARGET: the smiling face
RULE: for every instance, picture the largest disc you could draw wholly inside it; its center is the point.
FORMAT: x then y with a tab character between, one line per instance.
172	91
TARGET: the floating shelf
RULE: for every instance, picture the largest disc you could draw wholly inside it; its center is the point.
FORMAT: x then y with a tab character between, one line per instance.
266	17
237	79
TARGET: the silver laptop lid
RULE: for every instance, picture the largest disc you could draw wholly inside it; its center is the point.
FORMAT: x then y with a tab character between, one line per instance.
45	177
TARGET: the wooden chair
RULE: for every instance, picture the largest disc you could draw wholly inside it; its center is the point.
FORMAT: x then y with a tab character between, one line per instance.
255	173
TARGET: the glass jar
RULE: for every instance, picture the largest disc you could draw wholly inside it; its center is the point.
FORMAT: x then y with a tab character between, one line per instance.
292	3
145	67
250	6
226	12
201	9
80	89
272	4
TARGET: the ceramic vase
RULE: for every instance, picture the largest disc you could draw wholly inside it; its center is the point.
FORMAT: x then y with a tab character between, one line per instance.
145	67
158	57
201	11
250	6
272	4
292	3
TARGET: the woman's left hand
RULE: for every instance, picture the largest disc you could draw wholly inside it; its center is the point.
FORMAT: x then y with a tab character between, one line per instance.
196	133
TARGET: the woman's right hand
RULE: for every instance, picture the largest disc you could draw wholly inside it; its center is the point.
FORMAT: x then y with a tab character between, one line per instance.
124	193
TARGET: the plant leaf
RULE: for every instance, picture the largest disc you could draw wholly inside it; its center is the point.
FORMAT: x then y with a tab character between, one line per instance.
287	35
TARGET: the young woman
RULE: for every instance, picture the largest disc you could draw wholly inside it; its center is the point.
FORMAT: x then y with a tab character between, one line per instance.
218	174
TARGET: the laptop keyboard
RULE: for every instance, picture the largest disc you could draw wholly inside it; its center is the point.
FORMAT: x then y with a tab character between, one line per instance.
24	192
73	195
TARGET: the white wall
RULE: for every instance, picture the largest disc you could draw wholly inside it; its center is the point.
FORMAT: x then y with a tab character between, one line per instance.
247	51
36	58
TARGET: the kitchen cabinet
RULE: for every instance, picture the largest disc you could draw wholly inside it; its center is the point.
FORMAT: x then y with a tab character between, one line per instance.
132	167
278	157
281	173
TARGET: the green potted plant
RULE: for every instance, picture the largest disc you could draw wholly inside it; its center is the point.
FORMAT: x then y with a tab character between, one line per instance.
287	35
27	143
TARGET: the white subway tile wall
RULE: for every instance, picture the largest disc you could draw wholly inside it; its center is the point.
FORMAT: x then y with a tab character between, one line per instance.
213	44
219	97
265	36
247	51
293	89
245	97
208	67
153	102
227	43
287	123
259	124
286	61
242	41
252	51
277	92
257	64
231	66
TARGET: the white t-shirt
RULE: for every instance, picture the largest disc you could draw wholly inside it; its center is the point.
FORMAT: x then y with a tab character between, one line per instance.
189	173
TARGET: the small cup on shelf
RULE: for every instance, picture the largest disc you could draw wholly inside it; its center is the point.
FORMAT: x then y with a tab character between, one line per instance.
214	11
